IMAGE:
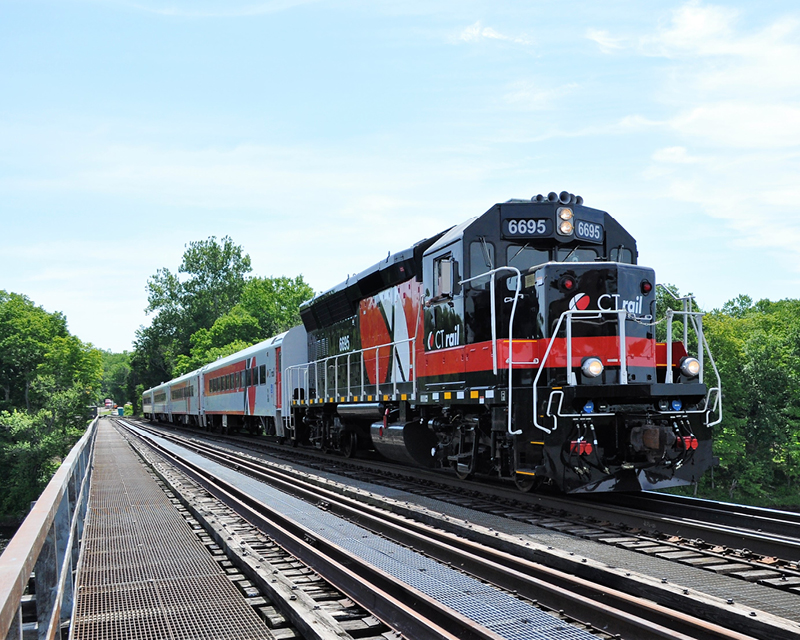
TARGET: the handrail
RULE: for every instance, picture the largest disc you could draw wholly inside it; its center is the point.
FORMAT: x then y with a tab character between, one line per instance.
695	317
510	361
571	379
291	370
47	543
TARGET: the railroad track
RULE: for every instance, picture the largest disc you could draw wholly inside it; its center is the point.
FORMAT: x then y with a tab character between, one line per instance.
750	543
601	606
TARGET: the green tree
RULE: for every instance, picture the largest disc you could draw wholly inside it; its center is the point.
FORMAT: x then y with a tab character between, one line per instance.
116	377
209	308
275	302
208	284
25	333
47	377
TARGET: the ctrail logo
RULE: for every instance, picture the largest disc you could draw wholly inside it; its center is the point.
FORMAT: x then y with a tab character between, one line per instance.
439	339
631	306
580	302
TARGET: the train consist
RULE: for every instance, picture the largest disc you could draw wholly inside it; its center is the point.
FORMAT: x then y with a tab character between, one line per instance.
519	344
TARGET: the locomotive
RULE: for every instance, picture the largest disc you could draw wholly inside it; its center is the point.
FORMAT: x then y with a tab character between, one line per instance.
518	345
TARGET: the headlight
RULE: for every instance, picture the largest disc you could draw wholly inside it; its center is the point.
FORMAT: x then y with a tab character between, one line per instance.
690	367
565	213
565	228
592	367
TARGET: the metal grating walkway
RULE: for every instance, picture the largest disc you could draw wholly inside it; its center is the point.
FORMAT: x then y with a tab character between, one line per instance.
143	572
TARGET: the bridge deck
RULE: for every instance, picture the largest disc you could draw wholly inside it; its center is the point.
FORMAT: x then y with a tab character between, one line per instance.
143	572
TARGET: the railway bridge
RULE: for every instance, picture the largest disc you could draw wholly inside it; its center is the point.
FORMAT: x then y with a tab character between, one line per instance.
147	532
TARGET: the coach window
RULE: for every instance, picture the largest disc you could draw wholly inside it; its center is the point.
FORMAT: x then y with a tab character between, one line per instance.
523	258
262	371
481	260
248	377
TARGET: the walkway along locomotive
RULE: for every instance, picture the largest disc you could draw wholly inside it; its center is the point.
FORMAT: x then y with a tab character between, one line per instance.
519	344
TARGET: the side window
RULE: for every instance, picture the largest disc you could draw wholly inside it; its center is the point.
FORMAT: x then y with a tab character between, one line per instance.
621	254
481	260
262	372
443	273
248	375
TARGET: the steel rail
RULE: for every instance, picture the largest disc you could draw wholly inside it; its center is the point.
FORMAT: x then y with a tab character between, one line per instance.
773	521
598	506
612	609
761	531
398	605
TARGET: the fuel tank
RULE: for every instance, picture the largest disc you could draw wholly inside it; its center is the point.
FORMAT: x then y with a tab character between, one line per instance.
411	443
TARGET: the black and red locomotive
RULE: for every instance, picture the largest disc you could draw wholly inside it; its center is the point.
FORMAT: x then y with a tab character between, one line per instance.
520	344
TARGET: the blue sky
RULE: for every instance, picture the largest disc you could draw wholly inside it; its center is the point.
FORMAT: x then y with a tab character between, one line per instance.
321	135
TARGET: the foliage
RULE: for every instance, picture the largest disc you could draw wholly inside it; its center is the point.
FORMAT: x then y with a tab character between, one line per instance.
215	310
119	380
47	379
756	347
26	331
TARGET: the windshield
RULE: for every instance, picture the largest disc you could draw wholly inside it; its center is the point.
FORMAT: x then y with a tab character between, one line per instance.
523	257
577	254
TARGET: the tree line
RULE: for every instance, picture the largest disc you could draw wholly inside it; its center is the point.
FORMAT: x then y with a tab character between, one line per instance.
48	378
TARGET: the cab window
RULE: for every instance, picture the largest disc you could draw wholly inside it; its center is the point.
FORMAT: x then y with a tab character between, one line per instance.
481	260
443	274
577	254
523	257
621	254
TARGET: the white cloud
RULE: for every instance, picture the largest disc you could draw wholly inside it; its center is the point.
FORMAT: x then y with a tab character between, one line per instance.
209	8
532	95
478	33
741	124
674	155
607	43
696	29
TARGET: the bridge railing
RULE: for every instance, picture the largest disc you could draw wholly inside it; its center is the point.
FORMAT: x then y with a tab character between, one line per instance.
48	545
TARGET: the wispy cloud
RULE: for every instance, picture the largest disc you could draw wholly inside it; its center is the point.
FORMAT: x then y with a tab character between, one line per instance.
536	95
607	43
478	33
209	8
729	97
674	155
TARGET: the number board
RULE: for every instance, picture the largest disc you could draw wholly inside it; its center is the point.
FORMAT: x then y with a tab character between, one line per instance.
590	231
527	227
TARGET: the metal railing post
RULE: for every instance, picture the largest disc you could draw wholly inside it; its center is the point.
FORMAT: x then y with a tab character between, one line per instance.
668	378
685	323
623	348
493	295
571	378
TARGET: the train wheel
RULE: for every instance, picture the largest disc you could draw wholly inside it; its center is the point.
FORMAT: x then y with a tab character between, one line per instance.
464	458
349	443
526	483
